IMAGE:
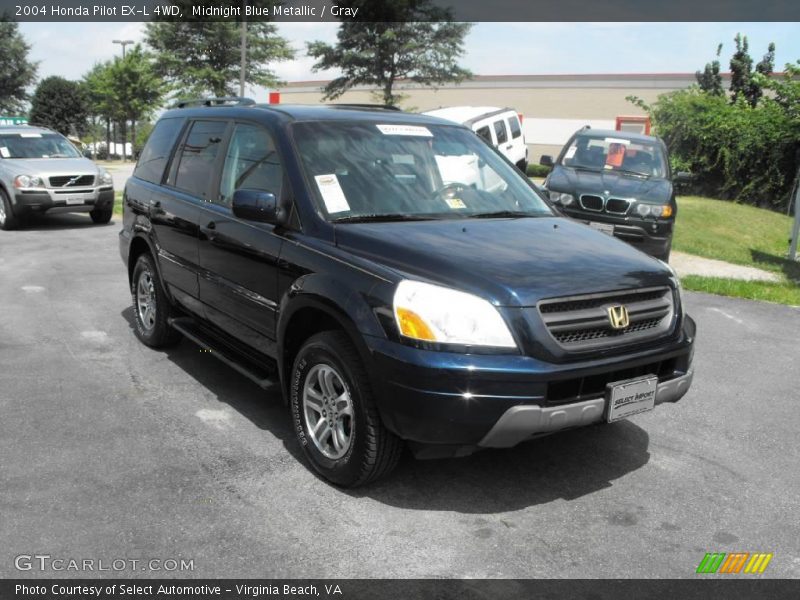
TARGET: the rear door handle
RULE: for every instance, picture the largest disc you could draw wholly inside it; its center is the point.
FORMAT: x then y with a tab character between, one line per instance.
155	207
211	225
509	147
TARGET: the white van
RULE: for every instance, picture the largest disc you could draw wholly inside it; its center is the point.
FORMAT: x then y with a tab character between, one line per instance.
500	127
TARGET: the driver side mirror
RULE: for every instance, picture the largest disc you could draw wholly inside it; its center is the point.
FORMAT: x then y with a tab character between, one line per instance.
683	177
257	205
546	160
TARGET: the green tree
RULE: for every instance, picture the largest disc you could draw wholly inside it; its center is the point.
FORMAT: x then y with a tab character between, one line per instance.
198	58
394	39
99	100
741	68
135	88
17	73
59	104
710	81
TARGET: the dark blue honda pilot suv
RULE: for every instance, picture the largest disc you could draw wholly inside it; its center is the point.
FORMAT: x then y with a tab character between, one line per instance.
401	280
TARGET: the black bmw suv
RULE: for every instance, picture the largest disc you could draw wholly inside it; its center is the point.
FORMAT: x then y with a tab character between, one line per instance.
400	279
619	183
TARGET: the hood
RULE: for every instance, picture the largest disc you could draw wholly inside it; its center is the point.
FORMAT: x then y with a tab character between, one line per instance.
45	167
511	262
617	185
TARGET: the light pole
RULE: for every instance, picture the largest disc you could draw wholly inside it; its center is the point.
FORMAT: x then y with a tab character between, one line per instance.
243	50
123	43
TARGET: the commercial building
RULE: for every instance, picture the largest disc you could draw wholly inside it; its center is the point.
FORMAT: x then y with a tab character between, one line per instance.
553	106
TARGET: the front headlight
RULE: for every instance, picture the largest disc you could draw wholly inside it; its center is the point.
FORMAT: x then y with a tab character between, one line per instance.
678	285
559	198
656	210
28	182
105	177
437	314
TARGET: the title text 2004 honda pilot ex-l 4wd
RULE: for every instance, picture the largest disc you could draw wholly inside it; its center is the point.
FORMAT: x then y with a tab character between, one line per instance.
396	304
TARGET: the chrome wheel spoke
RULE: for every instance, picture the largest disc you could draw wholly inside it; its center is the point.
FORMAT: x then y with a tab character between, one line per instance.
328	411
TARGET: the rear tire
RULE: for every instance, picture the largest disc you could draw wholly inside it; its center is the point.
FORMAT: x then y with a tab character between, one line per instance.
8	220
151	307
101	216
334	413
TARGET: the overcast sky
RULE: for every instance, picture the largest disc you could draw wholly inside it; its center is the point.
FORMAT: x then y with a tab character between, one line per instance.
70	49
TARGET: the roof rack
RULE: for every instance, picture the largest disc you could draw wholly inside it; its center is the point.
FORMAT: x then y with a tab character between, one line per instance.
378	106
222	101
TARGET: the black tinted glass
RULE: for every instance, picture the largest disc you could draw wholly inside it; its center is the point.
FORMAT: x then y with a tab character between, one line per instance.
198	155
156	151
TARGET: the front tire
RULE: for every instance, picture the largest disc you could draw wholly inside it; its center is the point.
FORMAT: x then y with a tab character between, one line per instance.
334	413
101	216
151	307
8	220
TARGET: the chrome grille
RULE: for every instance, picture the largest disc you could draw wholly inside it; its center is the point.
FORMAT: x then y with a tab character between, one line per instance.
581	322
62	180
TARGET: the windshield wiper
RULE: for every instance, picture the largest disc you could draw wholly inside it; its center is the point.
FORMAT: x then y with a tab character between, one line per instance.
637	173
381	218
501	214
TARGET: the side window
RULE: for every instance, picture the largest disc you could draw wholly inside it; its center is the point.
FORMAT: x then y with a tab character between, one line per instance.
500	132
251	162
513	125
155	154
485	133
198	155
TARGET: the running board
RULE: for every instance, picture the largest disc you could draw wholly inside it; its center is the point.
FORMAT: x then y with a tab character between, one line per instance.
228	351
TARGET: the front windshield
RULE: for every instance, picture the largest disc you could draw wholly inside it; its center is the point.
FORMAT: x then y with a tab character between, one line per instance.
36	145
606	153
374	171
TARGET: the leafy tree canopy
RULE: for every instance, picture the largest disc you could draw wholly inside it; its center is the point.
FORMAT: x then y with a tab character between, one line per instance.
198	58
17	73
59	104
397	39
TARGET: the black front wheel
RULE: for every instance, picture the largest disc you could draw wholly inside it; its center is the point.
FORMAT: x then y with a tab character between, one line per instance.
101	216
151	307
8	220
334	413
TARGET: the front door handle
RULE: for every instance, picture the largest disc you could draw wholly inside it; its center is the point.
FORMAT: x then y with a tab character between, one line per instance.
155	207
211	225
509	147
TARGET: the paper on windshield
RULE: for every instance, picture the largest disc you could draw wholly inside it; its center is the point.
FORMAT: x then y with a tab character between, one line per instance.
4	152
332	193
413	130
30	135
571	152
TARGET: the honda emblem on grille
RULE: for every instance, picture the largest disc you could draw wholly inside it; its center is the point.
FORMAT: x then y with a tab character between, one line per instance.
618	316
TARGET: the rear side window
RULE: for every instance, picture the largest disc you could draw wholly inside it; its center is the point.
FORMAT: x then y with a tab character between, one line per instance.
513	125
198	156
156	151
485	133
500	132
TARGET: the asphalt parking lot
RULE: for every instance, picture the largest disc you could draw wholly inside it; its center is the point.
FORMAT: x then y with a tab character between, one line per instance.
110	450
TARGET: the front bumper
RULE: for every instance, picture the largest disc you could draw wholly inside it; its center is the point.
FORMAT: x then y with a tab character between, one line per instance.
457	400
653	237
520	423
82	200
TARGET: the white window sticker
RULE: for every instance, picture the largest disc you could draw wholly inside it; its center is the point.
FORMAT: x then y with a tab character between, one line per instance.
455	203
332	193
571	151
413	130
617	141
30	135
4	152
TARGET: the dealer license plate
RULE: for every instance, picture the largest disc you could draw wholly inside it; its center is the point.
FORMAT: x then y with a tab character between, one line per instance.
604	227
631	397
72	200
